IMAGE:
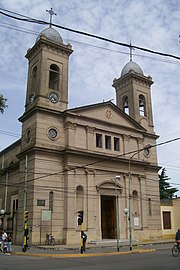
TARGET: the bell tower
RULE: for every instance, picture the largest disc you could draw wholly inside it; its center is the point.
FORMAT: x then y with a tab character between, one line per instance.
133	94
47	84
47	87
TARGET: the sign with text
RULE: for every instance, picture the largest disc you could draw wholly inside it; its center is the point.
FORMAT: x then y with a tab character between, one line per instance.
46	215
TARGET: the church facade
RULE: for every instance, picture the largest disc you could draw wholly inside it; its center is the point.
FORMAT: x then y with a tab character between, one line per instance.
100	159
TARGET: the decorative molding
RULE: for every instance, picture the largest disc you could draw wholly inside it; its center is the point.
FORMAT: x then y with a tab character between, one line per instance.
69	168
90	171
70	125
126	137
90	129
109	185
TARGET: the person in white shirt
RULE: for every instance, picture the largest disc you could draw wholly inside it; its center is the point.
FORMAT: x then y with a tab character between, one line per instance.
4	237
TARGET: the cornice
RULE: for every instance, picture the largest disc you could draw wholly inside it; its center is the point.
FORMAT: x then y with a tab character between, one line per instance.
45	43
132	77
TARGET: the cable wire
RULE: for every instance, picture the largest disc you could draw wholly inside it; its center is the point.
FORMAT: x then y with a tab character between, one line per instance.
32	20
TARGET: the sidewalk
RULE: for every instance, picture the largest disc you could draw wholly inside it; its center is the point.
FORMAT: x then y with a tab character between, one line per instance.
99	248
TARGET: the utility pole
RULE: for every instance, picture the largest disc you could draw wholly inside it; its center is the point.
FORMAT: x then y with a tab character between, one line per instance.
24	218
130	213
117	213
80	222
130	193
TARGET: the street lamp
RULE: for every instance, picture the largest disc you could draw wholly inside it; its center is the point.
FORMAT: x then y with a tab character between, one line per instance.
2	212
117	177
126	211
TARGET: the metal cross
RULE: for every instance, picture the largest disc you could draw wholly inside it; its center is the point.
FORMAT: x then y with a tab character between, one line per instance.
51	13
131	49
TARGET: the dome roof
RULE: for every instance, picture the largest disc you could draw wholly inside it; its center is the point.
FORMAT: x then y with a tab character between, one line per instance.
131	66
50	33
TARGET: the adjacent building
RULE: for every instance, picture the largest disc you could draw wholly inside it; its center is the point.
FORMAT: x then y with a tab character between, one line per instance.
170	218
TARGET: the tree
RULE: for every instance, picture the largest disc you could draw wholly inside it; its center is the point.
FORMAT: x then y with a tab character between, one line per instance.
2	103
165	189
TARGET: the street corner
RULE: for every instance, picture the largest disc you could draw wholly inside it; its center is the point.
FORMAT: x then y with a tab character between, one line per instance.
76	255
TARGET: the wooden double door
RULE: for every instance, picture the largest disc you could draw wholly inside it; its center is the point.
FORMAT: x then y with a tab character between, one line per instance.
108	217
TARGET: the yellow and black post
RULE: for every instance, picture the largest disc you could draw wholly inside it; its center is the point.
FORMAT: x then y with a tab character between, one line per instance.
80	222
25	242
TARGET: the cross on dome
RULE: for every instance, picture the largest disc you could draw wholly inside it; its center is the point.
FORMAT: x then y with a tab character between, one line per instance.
51	13
131	49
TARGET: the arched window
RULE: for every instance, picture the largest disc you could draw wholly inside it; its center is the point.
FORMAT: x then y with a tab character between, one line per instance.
142	105
34	80
79	198
125	105
135	202
54	77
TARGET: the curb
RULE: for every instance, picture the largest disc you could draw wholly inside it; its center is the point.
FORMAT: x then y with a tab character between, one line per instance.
84	255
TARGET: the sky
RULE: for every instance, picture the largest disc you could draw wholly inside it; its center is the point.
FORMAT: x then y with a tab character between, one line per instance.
150	24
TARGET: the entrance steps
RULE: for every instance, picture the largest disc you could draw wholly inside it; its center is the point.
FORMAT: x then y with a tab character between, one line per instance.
109	242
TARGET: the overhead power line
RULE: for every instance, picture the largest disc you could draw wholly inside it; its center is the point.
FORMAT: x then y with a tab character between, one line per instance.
35	33
99	161
32	20
12	134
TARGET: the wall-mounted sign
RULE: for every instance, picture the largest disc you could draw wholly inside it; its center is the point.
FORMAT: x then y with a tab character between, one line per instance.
136	221
46	215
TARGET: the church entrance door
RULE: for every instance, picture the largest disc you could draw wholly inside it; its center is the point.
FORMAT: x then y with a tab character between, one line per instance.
108	217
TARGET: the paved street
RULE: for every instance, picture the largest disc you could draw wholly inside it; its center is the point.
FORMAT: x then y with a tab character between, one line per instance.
94	248
161	259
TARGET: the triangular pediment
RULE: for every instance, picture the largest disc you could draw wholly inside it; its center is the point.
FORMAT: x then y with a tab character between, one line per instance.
107	112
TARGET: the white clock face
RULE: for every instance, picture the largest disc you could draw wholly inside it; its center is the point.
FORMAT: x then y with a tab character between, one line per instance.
53	97
146	152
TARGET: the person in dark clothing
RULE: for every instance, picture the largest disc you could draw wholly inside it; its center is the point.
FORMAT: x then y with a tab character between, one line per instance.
84	237
9	239
177	238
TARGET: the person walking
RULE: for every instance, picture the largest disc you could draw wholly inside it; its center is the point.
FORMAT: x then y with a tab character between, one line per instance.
9	239
177	238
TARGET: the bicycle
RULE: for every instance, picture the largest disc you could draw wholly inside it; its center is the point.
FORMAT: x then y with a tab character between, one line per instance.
50	240
176	250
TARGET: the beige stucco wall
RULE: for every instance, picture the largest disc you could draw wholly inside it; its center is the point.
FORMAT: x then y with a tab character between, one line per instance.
174	209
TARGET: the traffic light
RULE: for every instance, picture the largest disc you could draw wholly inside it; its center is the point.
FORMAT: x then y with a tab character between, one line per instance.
26	215
80	217
26	232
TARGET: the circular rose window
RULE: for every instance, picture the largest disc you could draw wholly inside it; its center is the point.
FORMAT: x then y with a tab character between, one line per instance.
52	133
